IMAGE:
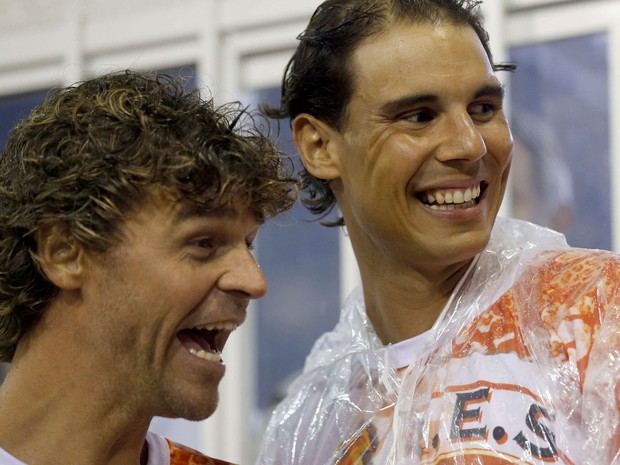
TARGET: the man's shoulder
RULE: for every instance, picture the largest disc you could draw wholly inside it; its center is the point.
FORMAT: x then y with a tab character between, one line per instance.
566	291
183	455
575	275
577	262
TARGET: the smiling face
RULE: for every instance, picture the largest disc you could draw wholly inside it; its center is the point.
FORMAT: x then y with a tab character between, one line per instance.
163	302
421	164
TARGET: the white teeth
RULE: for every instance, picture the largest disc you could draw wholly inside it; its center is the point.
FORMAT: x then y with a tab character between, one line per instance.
454	196
210	356
228	326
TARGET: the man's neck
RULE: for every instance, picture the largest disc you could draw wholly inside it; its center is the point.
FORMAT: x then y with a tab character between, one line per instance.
47	413
402	303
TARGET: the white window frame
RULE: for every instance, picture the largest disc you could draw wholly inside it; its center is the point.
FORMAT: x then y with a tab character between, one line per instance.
535	21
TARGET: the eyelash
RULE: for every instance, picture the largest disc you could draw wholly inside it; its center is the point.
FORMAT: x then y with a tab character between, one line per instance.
487	107
203	243
207	243
411	115
426	115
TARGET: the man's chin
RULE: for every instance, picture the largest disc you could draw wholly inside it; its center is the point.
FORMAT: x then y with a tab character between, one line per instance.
193	409
199	413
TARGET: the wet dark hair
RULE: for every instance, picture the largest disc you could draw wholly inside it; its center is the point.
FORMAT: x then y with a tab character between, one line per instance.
87	157
318	79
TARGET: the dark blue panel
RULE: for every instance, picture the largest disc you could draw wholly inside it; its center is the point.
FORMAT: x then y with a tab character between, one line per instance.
300	259
14	108
560	120
185	74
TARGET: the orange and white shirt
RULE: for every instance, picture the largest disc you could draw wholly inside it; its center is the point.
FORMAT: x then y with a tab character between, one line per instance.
523	367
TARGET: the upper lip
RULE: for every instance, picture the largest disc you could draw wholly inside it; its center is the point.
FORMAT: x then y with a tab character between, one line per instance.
219	313
224	326
452	184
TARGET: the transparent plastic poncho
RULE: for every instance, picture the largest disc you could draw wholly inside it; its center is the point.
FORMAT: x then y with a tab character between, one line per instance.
522	367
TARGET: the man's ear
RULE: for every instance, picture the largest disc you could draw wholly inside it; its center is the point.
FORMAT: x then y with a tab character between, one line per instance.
317	147
60	257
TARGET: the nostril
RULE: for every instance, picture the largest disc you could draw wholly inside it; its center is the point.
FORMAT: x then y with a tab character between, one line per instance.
260	288
462	148
242	276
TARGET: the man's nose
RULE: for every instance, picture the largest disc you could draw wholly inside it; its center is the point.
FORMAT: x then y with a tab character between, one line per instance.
462	139
243	276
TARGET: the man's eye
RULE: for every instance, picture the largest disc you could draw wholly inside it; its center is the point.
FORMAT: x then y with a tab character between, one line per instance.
203	248
418	116
482	111
203	243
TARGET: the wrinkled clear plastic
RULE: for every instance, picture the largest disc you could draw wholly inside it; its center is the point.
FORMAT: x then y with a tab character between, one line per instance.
521	367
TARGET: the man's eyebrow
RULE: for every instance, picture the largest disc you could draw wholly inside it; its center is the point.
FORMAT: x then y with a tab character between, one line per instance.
492	90
394	106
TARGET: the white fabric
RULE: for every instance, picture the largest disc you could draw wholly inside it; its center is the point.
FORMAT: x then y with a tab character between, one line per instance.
401	353
8	459
159	451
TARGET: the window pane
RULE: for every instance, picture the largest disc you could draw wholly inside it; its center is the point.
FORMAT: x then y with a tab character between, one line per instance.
300	259
14	108
560	120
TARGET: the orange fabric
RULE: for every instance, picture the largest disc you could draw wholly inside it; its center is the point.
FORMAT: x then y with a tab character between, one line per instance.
567	299
182	455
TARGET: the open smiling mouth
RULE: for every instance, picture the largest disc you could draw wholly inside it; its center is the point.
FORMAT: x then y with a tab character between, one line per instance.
452	199
208	341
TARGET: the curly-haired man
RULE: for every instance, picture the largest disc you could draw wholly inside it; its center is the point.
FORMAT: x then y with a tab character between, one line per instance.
128	209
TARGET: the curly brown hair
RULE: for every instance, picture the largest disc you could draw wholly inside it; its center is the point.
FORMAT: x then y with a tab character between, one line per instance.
85	158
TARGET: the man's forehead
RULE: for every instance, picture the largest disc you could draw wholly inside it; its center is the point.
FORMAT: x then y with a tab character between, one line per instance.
188	209
182	207
410	52
235	208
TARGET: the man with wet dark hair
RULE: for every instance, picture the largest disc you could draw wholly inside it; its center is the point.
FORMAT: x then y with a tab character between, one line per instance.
473	339
315	80
128	209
